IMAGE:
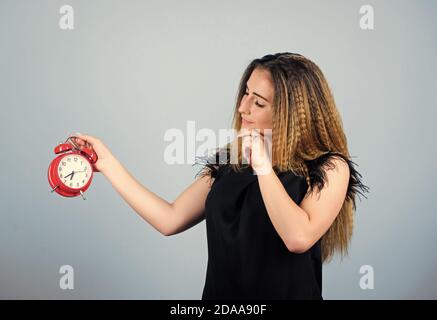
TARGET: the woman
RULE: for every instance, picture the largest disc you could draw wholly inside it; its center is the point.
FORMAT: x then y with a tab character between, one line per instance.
272	217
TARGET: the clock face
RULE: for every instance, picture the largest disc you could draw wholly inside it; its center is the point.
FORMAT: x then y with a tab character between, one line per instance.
74	171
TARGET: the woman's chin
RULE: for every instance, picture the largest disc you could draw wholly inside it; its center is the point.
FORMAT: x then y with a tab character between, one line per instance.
248	125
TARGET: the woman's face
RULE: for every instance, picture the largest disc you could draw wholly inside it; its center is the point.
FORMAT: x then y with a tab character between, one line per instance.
256	105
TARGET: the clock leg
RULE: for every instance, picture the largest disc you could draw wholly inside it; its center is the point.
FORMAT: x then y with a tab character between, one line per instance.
55	188
81	193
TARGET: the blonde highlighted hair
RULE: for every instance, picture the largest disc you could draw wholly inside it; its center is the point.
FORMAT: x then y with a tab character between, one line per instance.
307	135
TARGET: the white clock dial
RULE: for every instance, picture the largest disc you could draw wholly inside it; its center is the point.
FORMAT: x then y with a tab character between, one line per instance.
74	171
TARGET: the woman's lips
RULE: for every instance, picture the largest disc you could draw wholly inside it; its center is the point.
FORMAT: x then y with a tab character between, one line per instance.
245	121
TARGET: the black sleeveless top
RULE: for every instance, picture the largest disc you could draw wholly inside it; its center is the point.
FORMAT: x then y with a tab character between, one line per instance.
247	259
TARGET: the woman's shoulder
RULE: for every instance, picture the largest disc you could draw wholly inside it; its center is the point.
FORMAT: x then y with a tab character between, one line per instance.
318	167
213	164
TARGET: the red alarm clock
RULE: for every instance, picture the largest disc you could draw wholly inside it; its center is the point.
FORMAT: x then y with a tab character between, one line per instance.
70	174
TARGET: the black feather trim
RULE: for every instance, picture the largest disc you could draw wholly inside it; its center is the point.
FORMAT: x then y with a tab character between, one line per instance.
212	163
317	173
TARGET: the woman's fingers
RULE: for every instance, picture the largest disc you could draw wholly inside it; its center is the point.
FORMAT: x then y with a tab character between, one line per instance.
250	132
86	138
83	137
83	140
79	141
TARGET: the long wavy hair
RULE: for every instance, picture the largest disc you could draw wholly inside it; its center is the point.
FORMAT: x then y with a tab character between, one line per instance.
307	134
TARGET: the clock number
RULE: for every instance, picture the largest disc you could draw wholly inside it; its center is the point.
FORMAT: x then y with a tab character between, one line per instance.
60	168
69	159
71	184
61	175
64	163
75	159
77	184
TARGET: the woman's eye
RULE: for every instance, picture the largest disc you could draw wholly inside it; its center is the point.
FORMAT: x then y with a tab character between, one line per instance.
259	105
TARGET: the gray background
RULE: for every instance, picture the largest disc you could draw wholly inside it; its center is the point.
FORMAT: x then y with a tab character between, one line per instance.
130	70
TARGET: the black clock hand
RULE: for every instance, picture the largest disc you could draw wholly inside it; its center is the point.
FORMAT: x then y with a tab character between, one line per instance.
76	172
72	174
69	175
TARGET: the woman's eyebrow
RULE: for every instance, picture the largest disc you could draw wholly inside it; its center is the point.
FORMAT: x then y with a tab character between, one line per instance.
257	94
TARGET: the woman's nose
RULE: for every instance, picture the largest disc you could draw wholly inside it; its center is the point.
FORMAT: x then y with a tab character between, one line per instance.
244	106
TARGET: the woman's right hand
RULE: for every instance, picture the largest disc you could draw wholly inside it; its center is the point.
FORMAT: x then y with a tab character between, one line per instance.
104	155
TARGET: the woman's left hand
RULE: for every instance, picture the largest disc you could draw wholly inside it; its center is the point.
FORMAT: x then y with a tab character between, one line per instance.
257	149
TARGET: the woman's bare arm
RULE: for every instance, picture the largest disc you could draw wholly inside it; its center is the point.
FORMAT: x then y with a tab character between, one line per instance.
168	218
189	207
